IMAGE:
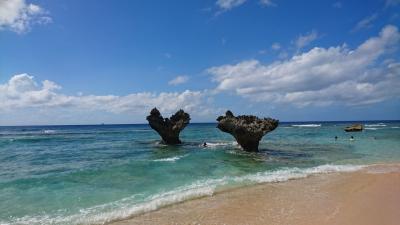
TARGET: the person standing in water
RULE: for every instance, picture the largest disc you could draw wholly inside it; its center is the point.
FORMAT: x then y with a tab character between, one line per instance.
336	138
351	138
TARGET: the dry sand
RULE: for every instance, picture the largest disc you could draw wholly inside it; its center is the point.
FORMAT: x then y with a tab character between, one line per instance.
367	197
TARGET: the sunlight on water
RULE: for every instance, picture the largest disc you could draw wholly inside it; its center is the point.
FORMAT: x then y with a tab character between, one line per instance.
94	174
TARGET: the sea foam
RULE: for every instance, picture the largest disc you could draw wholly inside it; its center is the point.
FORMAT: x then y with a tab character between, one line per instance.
376	125
170	159
49	131
129	207
371	128
306	125
219	144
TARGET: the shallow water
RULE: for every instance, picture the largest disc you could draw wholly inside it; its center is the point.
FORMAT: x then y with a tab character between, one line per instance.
95	174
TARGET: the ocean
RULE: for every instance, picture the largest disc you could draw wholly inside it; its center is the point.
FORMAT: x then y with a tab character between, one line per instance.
102	173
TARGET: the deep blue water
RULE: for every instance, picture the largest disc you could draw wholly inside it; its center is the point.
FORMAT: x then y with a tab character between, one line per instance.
95	174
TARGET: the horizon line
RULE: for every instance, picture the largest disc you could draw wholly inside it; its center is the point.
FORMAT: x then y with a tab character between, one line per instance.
118	124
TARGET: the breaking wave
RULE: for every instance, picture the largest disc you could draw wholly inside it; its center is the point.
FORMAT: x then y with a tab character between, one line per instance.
306	125
372	128
49	131
170	159
130	206
376	125
219	144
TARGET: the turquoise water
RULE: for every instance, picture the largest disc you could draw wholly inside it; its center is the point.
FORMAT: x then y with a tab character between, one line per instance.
97	174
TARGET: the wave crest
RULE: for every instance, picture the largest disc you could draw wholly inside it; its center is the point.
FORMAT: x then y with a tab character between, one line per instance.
170	159
219	144
372	128
127	207
376	125
306	125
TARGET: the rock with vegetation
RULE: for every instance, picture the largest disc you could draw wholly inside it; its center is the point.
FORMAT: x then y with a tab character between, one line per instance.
354	128
247	130
168	128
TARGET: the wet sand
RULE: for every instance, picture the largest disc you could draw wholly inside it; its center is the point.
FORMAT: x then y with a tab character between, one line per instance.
370	196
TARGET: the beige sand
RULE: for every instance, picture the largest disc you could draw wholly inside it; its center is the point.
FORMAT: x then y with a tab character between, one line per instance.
367	197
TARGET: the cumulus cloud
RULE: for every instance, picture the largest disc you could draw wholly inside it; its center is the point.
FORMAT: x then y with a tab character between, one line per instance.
306	39
18	16
229	4
23	92
179	80
321	76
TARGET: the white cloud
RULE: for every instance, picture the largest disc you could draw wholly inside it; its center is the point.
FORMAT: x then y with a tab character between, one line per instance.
337	5
267	3
392	3
229	4
22	92
304	40
225	5
283	54
366	22
262	51
179	80
18	16
275	46
320	76
167	55
223	41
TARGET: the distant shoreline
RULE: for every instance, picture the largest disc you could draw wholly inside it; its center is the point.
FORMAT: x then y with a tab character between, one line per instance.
368	196
200	123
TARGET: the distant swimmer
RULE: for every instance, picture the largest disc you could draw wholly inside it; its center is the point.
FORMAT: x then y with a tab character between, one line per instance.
336	138
205	144
351	138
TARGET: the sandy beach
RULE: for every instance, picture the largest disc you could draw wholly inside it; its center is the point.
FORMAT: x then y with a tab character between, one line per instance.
369	196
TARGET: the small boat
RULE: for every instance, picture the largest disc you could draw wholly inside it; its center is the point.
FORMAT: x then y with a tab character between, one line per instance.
354	128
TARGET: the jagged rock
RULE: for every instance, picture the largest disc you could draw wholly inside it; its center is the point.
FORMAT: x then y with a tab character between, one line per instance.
247	130
354	128
168	129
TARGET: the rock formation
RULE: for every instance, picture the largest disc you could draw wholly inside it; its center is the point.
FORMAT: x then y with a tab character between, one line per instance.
247	130
168	129
354	128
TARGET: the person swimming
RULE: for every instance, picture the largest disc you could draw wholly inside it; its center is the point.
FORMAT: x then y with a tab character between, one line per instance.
351	138
336	138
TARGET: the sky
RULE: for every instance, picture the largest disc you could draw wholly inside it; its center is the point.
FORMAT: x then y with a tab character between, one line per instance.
103	61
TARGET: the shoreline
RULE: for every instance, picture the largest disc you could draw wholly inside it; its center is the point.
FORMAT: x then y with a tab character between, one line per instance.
326	195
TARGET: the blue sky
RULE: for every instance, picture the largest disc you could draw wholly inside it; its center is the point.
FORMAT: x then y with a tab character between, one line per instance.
84	62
